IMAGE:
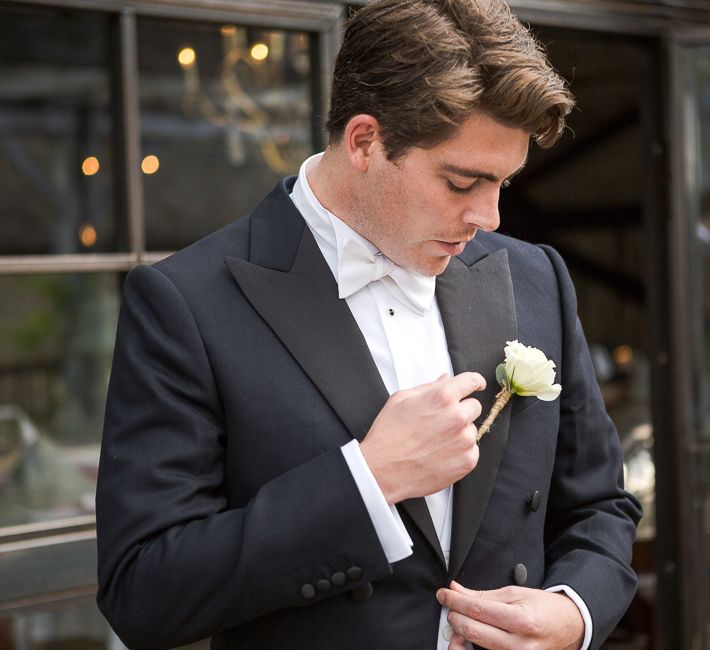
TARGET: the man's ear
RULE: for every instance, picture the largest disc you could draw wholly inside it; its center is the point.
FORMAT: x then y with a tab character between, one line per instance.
361	139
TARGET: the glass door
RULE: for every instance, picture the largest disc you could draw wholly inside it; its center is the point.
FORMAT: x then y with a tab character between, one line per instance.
694	74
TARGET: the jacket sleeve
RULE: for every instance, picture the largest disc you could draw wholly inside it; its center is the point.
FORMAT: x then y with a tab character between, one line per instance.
176	564
591	520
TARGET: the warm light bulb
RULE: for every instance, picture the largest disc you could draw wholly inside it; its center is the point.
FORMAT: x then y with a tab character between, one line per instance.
259	51
90	166
228	30
623	354
187	57
150	164
87	235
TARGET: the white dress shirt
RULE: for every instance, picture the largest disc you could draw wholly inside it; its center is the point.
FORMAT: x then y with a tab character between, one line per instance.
393	327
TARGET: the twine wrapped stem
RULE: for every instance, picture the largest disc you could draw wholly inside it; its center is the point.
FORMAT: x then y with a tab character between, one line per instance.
501	400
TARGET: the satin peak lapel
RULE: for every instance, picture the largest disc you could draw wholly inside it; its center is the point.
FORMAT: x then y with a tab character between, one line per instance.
478	310
301	305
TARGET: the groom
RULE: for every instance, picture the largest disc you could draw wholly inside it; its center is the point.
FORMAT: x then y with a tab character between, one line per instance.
289	457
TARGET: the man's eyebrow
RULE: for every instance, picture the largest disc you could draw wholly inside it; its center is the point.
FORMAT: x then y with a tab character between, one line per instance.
466	172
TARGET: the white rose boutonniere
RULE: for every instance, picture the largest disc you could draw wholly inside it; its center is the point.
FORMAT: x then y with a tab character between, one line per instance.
526	371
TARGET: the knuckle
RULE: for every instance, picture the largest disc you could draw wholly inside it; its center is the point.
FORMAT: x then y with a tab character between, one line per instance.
445	394
470	459
460	419
530	627
474	610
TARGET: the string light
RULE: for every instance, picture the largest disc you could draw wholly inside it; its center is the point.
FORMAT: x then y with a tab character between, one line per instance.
90	166
259	51
187	57
150	164
87	235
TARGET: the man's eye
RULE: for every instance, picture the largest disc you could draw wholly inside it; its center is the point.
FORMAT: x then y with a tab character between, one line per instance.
460	190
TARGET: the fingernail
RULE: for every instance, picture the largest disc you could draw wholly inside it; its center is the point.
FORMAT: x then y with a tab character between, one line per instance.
440	596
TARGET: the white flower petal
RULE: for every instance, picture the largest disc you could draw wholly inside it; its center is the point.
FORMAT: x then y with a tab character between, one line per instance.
530	372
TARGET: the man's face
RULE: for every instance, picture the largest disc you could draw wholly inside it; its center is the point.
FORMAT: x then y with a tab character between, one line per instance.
423	209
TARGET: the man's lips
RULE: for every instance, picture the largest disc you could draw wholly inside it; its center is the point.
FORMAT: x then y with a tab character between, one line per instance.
452	248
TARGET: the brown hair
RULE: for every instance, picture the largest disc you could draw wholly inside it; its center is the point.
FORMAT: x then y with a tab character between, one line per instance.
421	67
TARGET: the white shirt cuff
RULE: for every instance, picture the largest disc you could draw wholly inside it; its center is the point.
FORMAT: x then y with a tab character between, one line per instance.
581	605
395	540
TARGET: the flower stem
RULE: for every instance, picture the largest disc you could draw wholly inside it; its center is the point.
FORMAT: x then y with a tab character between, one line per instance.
501	400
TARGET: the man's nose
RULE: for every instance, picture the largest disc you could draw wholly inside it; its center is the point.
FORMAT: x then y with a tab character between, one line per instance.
483	213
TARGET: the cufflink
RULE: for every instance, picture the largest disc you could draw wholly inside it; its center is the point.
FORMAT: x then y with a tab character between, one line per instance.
447	632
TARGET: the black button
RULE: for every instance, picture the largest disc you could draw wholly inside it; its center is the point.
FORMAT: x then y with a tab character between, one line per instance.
361	594
354	573
338	579
520	573
323	585
308	591
534	500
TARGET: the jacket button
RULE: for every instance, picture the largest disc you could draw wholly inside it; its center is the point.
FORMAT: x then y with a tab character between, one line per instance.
323	585
361	594
354	573
520	573
308	591
338	579
534	500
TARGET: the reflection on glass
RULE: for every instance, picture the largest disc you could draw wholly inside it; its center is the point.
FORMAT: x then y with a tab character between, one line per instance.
701	270
225	113
56	341
55	132
78	625
624	377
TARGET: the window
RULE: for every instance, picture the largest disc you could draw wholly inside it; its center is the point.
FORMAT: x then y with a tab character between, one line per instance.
116	147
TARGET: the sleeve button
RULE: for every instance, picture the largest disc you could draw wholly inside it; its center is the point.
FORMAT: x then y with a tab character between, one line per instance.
354	573
308	591
338	579
323	585
361	594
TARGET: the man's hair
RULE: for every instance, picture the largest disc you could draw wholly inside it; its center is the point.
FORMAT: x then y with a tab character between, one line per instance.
422	67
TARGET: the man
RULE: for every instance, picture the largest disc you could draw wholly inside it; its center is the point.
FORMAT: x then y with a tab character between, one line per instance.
290	457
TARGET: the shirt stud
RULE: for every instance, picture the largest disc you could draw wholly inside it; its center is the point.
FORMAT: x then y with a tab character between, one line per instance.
390	311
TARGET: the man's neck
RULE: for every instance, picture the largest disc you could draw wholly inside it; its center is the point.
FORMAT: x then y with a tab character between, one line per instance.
332	185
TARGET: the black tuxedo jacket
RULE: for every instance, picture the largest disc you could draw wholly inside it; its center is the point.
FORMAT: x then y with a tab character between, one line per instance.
225	507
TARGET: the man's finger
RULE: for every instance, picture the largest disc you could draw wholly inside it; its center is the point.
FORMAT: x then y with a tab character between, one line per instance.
466	383
482	634
472	407
477	607
457	642
510	594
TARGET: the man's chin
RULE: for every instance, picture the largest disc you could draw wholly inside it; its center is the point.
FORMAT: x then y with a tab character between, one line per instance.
433	267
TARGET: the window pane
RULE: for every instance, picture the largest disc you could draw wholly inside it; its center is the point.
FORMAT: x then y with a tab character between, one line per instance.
56	342
55	132
701	235
698	481
225	113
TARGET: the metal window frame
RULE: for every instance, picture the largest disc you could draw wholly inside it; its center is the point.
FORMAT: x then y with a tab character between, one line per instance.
45	563
323	20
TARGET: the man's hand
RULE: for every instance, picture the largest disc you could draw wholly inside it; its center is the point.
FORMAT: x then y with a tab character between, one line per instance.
424	438
512	618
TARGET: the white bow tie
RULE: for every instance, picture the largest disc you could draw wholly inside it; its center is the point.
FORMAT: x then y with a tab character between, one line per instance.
358	266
